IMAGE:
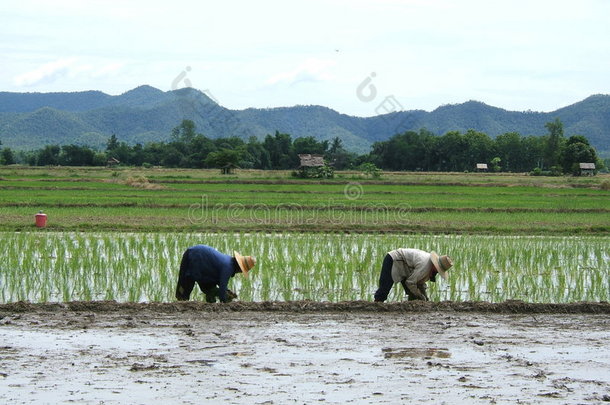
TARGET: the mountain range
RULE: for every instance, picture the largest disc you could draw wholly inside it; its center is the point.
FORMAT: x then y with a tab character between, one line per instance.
146	114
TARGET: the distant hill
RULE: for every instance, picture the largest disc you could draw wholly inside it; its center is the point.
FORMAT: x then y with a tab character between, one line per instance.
145	114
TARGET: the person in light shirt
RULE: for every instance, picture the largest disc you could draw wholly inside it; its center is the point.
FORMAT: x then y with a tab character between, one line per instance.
412	268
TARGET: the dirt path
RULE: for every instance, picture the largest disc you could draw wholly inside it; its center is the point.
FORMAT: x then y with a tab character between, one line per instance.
278	353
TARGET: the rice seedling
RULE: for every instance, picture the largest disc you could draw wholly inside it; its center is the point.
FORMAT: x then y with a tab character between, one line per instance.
135	267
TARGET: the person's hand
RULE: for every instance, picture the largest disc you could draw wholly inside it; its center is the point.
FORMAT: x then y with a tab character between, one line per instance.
418	297
423	291
230	295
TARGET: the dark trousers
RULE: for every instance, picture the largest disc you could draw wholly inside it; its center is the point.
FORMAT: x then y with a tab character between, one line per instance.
185	287
186	284
385	279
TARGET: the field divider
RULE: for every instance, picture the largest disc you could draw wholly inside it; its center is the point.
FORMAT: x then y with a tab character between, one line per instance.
365	206
507	307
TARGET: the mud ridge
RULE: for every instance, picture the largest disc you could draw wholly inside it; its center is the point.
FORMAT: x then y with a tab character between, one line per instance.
507	307
366	207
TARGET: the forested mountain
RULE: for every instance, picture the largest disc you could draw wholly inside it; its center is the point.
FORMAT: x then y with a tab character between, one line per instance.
145	114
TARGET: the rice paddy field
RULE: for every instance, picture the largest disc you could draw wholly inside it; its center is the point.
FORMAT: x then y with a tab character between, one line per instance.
523	317
142	267
118	234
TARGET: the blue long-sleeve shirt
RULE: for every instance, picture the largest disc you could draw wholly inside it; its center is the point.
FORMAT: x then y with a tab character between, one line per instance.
207	265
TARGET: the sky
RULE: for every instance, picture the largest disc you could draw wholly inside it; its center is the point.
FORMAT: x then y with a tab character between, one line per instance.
358	57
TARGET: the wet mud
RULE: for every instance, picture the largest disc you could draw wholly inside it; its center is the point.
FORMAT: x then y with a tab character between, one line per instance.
305	352
510	306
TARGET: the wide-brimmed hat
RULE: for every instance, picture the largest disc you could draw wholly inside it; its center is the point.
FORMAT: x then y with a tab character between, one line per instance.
441	263
245	262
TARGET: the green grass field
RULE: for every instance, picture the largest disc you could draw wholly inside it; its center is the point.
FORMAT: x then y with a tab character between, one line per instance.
156	200
119	233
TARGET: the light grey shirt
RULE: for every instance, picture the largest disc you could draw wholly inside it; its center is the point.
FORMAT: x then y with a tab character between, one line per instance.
412	266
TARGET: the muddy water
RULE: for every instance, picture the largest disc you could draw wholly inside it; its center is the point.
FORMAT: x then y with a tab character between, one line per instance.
156	356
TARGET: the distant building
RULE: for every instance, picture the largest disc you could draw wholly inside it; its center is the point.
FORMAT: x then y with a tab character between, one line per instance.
587	169
481	167
228	168
310	163
112	162
309	160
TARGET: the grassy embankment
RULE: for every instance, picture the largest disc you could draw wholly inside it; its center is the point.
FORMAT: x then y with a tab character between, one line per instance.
163	200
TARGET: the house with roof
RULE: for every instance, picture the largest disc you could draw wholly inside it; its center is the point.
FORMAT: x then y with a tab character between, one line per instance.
587	169
482	167
310	164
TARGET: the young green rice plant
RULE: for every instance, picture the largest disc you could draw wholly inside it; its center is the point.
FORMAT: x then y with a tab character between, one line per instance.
42	267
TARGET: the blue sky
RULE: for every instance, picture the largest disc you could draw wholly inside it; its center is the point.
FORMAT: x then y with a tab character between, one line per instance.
357	57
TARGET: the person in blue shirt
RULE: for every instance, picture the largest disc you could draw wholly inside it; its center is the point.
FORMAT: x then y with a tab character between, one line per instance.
211	270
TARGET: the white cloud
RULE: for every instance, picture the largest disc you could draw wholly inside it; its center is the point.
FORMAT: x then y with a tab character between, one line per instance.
67	68
273	53
110	69
46	73
311	70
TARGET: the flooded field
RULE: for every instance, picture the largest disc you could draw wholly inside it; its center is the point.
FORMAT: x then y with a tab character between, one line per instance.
87	311
143	267
305	352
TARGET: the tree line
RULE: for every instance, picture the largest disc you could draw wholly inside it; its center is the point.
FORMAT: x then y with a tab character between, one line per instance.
552	153
421	150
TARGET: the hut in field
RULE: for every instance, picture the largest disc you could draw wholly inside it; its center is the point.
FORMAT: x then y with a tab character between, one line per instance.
587	169
112	162
481	167
228	168
310	163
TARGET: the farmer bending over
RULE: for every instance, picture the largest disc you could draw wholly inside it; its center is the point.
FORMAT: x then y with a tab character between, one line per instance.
412	268
211	270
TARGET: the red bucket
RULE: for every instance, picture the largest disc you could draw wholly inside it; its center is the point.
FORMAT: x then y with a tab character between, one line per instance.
41	220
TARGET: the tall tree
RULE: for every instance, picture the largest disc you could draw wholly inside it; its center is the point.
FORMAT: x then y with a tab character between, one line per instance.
171	155
509	148
309	144
428	147
255	156
533	149
112	143
479	149
48	156
76	155
281	151
554	142
198	150
120	151
224	157
452	152
336	145
7	157
338	157
575	151
185	132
